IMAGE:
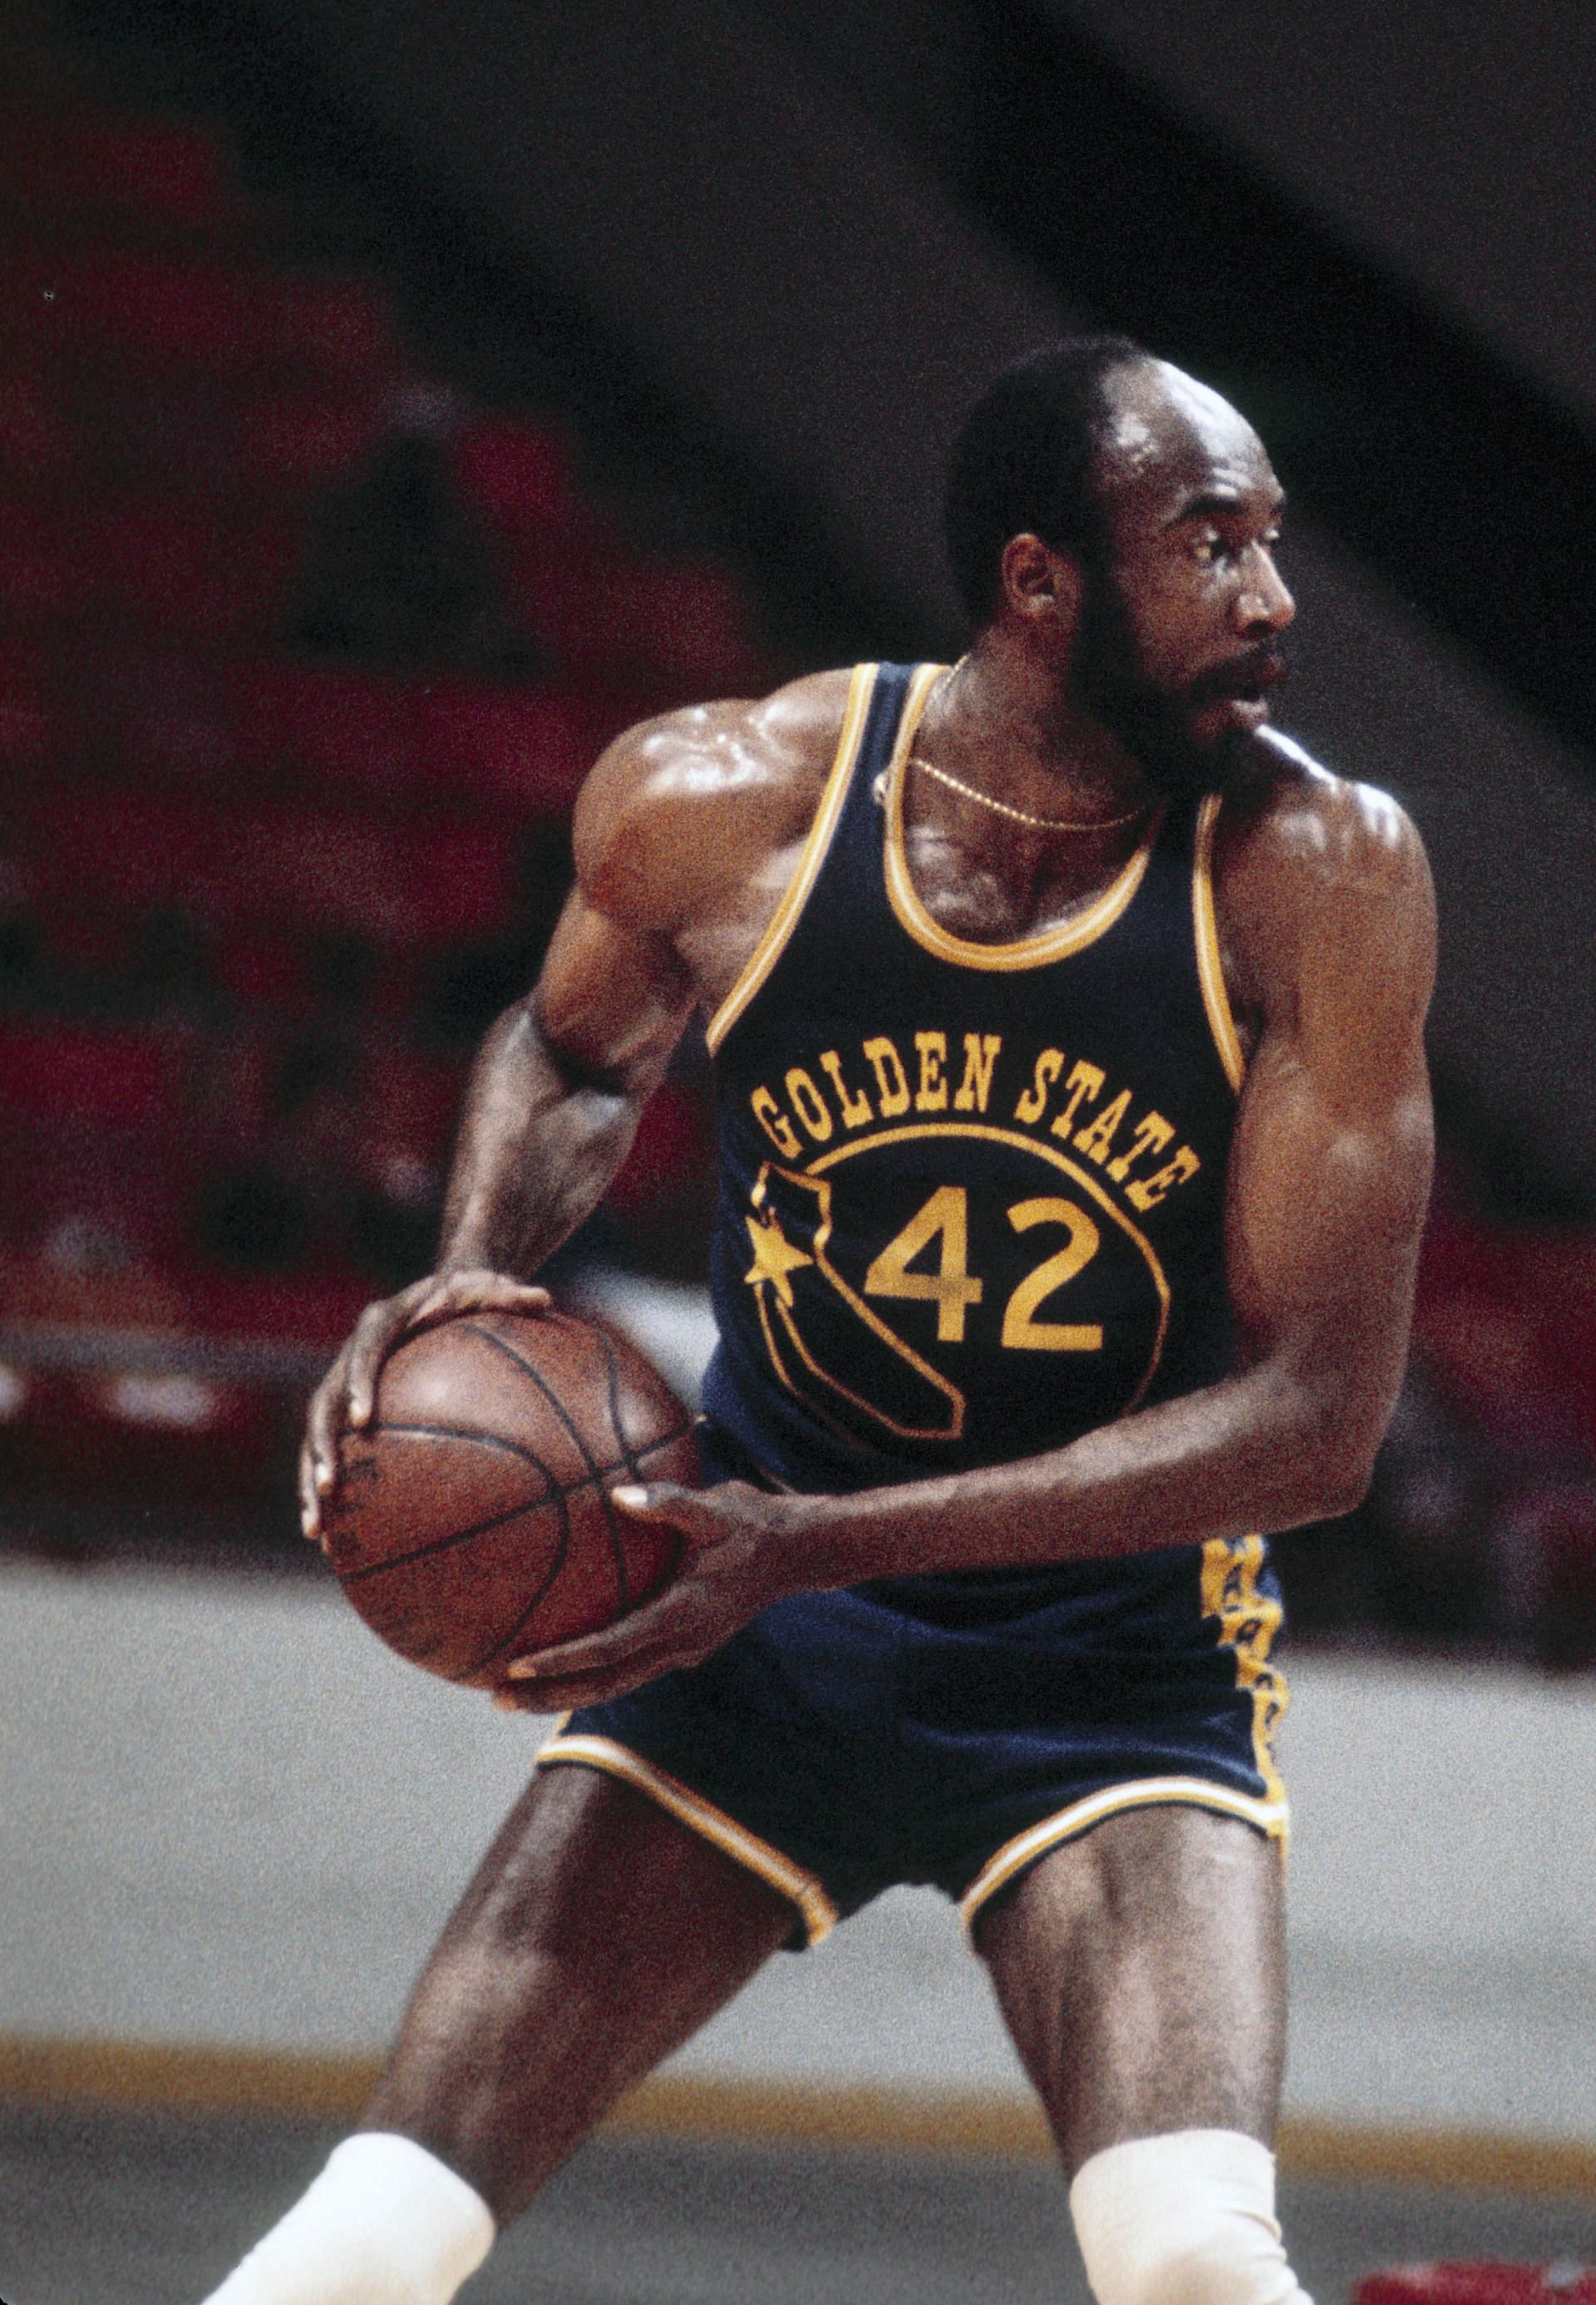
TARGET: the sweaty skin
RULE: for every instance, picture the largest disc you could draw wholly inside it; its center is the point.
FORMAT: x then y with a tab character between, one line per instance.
686	835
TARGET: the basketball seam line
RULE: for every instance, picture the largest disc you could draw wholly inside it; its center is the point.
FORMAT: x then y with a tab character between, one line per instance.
506	1640
558	1563
616	1547
471	1432
549	1495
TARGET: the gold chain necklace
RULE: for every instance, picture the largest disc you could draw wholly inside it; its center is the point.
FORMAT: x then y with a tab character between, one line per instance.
1021	815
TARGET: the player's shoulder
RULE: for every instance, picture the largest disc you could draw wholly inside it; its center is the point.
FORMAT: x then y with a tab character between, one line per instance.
1297	829
680	806
1315	871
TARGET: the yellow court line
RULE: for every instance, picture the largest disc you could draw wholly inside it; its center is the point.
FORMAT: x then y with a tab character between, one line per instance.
151	2077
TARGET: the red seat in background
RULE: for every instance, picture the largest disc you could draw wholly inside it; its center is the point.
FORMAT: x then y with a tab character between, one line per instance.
326	729
66	1073
51	573
461	746
399	884
305	440
313	1312
35	731
604	611
209	573
525	748
217	575
520	476
188	312
39	446
1478	2284
1505	1319
81	168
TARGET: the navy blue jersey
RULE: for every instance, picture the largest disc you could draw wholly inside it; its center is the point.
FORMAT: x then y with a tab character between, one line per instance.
970	1206
971	1196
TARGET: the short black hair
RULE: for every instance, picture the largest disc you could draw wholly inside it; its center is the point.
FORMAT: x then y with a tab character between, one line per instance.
1023	461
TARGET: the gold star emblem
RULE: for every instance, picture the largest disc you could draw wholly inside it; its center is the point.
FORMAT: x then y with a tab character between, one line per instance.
774	1256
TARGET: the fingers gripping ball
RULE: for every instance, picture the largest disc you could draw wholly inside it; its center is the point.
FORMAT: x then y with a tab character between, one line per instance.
472	1520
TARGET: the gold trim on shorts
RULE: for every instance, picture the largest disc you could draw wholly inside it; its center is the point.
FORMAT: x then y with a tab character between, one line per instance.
1272	1817
806	1890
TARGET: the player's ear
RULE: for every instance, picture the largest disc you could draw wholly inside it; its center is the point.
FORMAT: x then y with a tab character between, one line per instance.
1041	585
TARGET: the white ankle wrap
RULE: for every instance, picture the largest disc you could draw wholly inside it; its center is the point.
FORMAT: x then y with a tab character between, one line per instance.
1187	2219
385	2224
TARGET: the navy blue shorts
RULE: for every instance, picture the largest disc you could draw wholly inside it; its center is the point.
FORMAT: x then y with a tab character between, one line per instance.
954	1730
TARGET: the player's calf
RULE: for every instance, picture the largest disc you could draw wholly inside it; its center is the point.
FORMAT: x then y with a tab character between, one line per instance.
1186	2219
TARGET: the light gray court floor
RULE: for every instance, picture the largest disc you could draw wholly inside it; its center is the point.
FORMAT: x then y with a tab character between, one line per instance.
140	2209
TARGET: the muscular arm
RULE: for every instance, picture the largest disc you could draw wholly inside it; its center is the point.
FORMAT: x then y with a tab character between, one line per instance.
555	1092
685	836
551	1109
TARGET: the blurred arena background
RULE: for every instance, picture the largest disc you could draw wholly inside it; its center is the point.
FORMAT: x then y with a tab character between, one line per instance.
395	402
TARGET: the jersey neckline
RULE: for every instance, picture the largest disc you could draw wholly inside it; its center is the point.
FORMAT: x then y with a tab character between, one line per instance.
1058	943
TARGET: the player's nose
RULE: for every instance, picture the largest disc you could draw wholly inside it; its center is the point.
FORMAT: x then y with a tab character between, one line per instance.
1264	603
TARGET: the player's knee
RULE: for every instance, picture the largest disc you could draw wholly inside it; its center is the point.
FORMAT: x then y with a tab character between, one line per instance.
1186	2219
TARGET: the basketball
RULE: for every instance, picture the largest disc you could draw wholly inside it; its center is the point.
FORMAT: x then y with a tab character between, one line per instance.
473	1522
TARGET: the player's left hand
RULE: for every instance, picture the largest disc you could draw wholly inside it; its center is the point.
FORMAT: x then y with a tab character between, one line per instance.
732	1567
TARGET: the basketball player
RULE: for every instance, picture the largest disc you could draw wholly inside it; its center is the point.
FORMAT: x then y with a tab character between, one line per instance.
1074	1140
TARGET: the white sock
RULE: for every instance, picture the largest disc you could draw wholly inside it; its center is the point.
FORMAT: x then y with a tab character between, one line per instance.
1186	2219
385	2224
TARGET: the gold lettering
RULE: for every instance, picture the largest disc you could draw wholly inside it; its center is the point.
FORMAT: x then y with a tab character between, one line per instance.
950	1287
1084	1080
1146	1192
981	1053
1153	1131
932	1096
1033	1103
1095	1139
775	1123
892	1083
809	1104
856	1109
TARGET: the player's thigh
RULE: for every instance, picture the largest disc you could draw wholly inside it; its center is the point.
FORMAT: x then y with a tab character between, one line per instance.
593	1889
1141	1971
597	1935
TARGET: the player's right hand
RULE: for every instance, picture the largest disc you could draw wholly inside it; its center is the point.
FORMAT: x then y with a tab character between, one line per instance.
347	1394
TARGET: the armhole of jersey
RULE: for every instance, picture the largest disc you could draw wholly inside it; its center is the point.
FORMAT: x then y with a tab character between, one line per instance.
785	917
1211	968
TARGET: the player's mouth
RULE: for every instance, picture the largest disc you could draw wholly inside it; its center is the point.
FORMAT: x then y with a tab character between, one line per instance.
1237	694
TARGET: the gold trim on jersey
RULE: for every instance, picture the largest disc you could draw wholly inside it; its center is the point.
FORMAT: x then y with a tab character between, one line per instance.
1210	967
1248	1622
1270	1816
1058	943
806	1890
817	843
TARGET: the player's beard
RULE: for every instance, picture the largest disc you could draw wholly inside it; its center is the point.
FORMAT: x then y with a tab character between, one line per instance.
1153	724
